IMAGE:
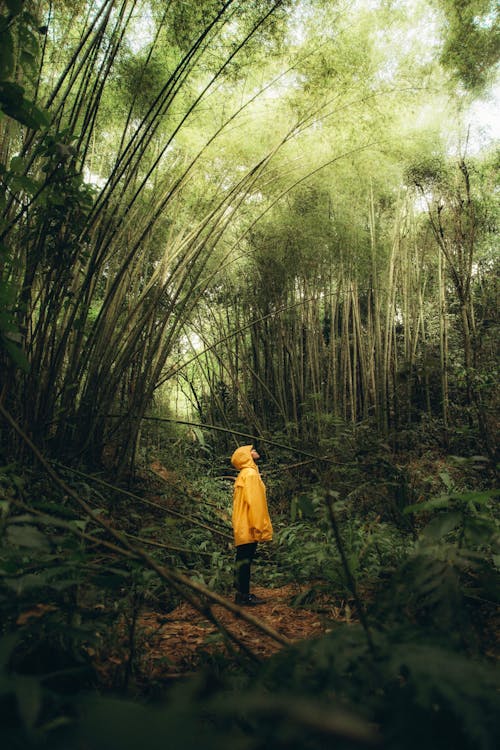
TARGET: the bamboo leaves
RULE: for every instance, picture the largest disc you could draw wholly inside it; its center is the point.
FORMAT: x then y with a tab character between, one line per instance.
111	275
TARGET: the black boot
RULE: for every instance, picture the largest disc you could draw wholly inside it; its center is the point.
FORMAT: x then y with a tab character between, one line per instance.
248	600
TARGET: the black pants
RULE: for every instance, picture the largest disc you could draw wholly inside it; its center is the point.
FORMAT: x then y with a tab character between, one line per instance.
244	556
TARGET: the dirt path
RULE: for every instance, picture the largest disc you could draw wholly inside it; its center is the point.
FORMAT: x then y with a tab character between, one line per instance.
180	641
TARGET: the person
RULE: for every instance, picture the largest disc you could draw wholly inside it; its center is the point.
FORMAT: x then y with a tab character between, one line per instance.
251	521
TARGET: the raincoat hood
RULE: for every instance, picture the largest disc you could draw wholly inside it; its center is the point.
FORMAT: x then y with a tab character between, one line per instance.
242	458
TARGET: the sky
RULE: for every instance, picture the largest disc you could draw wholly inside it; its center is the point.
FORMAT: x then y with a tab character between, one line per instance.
485	118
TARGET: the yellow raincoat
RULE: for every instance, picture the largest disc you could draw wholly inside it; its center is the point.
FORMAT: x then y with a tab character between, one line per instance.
251	522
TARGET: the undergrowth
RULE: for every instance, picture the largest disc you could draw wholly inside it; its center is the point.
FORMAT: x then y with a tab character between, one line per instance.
418	672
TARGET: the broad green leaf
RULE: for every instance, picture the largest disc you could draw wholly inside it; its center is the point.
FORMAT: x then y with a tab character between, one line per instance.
6	55
79	524
29	698
441	525
19	182
40	117
14	6
16	354
28	60
8	643
306	506
479	531
27	536
446	479
23	518
17	165
9	567
31	581
476	497
14	104
6	324
439	502
199	435
454	498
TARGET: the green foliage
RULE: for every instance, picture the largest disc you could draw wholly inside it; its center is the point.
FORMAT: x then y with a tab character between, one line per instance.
10	336
428	172
304	554
62	206
306	551
471	48
418	694
468	514
19	46
60	203
51	597
425	683
18	49
453	560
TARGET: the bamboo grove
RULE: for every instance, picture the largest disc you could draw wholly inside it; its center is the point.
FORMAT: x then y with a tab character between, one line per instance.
235	221
333	344
195	182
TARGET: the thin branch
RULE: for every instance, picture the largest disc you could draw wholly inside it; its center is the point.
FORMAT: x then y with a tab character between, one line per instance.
260	438
145	501
170	547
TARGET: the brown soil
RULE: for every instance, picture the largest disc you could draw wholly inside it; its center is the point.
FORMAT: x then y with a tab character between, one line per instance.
178	643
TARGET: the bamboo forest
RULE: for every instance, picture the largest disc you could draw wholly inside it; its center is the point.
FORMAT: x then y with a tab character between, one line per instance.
249	374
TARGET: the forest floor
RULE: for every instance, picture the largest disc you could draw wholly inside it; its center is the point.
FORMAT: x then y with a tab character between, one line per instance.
179	642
